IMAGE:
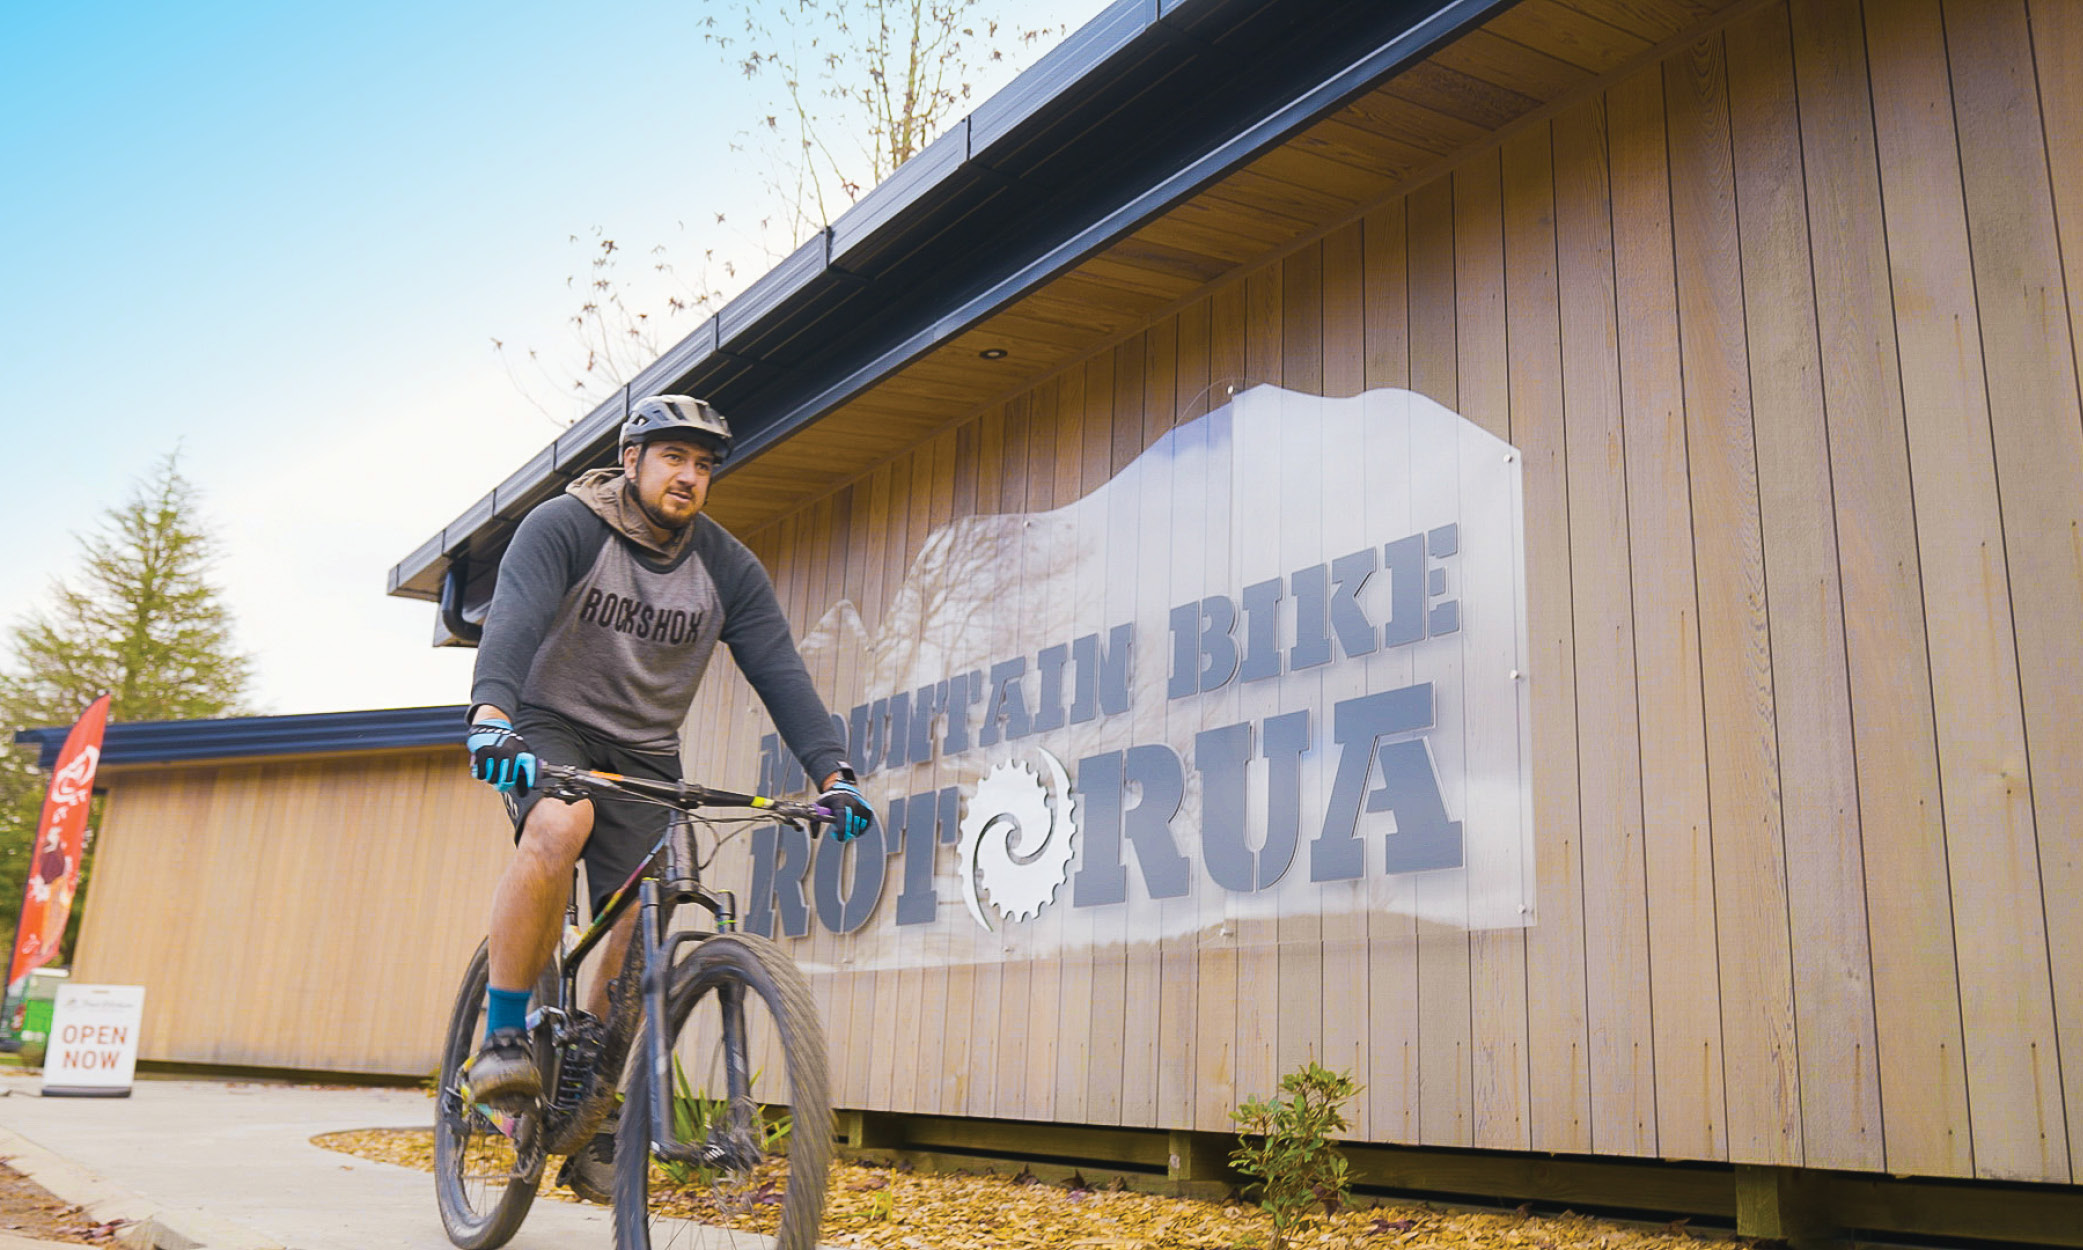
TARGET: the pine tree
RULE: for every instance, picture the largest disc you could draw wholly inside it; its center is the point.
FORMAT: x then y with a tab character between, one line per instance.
139	620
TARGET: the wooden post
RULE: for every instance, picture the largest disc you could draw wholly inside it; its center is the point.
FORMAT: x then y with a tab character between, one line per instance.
868	1130
1198	1165
1786	1204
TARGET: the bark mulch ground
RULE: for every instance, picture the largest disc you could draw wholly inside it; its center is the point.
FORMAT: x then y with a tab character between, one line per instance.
27	1209
886	1208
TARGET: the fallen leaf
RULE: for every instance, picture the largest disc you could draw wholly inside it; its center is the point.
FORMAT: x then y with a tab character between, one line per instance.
894	1207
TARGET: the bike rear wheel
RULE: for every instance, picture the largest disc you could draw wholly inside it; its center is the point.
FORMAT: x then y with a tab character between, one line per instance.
750	1083
487	1164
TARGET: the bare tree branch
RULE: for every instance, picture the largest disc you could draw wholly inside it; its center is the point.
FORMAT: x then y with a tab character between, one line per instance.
843	92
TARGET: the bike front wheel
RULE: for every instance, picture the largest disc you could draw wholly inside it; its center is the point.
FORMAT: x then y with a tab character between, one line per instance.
487	1164
749	1086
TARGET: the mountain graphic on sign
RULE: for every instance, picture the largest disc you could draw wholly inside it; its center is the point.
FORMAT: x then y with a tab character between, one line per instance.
1283	554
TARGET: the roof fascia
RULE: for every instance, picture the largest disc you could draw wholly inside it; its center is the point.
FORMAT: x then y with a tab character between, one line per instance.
321	733
791	304
1163	195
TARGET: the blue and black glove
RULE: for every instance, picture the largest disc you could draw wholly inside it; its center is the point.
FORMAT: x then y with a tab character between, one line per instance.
851	814
500	757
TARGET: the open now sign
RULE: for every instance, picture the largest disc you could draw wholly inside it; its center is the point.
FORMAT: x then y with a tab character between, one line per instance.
93	1044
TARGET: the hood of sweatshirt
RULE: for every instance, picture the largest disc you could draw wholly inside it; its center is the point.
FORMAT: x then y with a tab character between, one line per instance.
607	492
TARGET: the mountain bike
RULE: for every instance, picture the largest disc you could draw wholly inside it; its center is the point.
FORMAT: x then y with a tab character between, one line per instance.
731	1147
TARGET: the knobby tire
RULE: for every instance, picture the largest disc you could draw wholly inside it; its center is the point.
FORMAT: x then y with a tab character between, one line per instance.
468	1226
770	983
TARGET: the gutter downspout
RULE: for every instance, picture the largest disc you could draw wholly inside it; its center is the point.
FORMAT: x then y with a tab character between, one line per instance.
465	631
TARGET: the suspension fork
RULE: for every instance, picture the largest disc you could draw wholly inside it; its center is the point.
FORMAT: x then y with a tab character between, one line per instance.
658	1050
660	948
737	1082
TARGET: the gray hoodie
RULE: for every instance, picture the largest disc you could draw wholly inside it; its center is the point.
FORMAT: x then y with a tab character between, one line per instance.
608	620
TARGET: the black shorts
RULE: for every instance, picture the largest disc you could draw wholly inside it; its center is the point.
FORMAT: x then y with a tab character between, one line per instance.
623	830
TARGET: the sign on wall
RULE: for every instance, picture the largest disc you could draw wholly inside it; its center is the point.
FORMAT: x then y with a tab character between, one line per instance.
92	1052
1274	666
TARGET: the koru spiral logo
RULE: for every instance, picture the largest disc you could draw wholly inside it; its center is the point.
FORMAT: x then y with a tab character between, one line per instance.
1018	836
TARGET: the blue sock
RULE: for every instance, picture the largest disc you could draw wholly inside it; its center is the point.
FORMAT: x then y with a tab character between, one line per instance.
505	1009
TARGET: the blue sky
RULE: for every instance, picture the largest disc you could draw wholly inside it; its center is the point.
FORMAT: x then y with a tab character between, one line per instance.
283	238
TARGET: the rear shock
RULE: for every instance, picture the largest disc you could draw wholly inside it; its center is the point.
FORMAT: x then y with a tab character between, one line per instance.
581	1056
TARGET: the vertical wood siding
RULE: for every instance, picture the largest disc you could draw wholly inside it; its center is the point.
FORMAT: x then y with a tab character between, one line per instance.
1785	328
303	914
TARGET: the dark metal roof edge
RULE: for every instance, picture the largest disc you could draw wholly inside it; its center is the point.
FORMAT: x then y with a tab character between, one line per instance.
572	444
1451	17
513	497
1084	52
1061	68
1108	35
1214	165
676	362
912	180
773	287
310	733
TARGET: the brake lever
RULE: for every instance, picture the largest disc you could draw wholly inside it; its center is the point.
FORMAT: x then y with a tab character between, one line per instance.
824	819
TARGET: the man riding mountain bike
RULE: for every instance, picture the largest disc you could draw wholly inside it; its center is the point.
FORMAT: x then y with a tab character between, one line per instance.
609	602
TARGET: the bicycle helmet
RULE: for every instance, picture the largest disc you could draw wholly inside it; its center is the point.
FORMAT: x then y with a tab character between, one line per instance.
662	416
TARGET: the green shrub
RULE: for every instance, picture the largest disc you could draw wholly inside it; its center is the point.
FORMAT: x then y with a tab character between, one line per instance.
1286	1143
694	1112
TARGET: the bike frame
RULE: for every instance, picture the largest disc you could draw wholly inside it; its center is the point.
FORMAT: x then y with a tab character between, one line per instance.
671	872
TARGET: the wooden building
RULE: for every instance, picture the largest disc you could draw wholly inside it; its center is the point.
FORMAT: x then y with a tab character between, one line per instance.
293	892
1780	303
1774	306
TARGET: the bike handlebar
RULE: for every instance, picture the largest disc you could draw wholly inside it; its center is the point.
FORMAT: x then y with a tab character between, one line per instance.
565	780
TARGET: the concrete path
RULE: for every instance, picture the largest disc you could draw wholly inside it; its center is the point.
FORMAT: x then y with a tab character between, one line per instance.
231	1166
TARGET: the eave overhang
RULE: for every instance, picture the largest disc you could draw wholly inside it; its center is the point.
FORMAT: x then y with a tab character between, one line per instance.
1146	105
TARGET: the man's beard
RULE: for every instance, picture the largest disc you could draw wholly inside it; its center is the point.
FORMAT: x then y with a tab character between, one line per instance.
644	505
652	514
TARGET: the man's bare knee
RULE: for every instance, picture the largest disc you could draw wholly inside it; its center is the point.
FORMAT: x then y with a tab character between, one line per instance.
555	833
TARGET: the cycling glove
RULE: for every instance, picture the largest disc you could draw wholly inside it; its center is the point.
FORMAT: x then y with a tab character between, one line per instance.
845	801
499	756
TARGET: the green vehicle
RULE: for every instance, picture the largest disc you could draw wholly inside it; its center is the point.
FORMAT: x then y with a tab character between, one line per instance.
29	1024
